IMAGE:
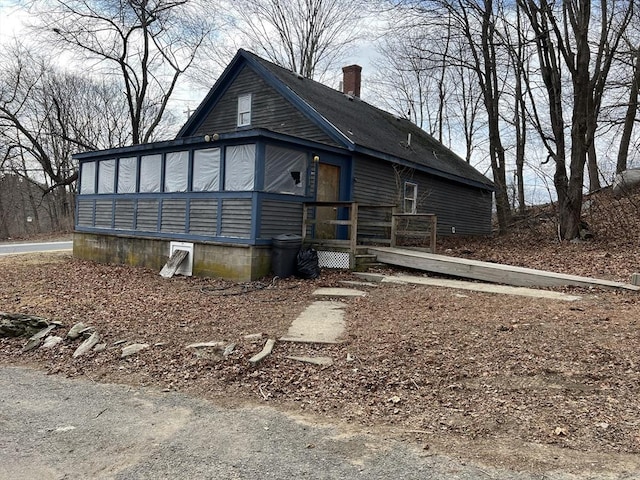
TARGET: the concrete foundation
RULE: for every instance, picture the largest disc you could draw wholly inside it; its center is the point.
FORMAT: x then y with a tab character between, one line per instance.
240	263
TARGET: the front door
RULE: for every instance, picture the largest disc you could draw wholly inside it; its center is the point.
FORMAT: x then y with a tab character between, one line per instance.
328	191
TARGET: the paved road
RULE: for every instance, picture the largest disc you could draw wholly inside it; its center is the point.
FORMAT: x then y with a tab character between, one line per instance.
55	428
13	248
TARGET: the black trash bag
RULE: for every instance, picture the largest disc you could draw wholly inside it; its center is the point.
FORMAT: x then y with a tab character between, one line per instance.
307	264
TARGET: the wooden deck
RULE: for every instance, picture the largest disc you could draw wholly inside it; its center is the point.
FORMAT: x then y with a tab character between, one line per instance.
486	271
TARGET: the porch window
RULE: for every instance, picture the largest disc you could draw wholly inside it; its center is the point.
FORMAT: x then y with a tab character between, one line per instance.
206	170
410	197
239	167
106	176
127	170
88	178
176	171
150	169
285	171
244	110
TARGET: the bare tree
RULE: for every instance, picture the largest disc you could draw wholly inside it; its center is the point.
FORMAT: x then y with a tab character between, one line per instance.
146	44
632	106
562	37
305	36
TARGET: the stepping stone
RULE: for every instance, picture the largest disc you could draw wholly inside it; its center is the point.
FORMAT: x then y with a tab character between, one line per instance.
320	322
323	361
339	292
133	349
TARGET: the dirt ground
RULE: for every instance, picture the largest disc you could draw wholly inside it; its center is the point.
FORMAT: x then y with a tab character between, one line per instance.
534	384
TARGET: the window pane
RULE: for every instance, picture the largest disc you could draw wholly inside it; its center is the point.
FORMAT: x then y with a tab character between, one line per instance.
88	178
410	197
239	167
206	170
127	169
244	110
285	171
176	172
150	166
106	176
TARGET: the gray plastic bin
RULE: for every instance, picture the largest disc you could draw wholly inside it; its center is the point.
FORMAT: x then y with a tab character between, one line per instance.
284	254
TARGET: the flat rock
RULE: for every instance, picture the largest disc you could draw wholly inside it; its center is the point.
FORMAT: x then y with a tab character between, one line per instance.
100	347
87	345
207	345
133	349
253	337
268	347
324	361
19	325
75	330
36	339
355	283
320	322
51	341
338	292
211	350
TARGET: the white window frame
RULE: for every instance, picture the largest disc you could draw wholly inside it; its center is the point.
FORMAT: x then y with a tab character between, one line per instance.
410	197
244	110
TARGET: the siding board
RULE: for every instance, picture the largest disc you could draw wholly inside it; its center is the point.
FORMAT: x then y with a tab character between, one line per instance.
125	210
203	216
85	213
277	218
465	208
174	214
269	110
147	217
104	213
236	218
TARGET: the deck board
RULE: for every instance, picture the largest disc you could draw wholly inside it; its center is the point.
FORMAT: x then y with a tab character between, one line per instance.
487	271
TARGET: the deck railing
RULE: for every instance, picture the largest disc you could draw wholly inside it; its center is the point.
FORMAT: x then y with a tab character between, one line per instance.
359	225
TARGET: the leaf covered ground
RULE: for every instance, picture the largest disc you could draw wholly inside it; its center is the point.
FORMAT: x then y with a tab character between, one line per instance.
490	376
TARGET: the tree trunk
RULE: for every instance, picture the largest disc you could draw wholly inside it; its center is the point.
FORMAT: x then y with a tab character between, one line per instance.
630	117
592	166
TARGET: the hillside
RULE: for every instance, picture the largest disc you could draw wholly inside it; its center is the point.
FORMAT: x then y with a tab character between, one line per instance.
612	253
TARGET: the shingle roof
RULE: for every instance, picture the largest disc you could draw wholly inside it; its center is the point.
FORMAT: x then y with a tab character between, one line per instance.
369	128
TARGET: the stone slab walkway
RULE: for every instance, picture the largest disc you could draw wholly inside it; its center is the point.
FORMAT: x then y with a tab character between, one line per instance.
320	322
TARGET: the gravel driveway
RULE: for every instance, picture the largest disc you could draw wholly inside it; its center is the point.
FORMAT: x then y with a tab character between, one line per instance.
56	428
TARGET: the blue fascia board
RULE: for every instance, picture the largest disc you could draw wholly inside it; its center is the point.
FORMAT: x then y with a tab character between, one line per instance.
423	168
198	142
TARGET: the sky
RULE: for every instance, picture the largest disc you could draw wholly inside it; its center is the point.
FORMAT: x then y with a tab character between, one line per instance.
188	94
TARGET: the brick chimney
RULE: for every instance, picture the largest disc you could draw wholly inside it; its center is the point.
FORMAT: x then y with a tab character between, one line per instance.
351	80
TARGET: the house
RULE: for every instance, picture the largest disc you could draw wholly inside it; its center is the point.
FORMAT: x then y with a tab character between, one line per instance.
262	144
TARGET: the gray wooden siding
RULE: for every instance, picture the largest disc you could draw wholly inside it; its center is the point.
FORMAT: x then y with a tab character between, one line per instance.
465	208
147	217
85	213
277	218
269	110
104	213
203	216
124	214
236	218
174	213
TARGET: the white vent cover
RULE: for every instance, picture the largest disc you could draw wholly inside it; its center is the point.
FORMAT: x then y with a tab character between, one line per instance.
328	259
186	267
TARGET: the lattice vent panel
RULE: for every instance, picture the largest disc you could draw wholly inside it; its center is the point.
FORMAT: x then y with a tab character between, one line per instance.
333	259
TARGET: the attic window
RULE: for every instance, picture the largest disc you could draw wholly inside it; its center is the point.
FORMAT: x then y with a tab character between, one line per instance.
410	197
244	110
